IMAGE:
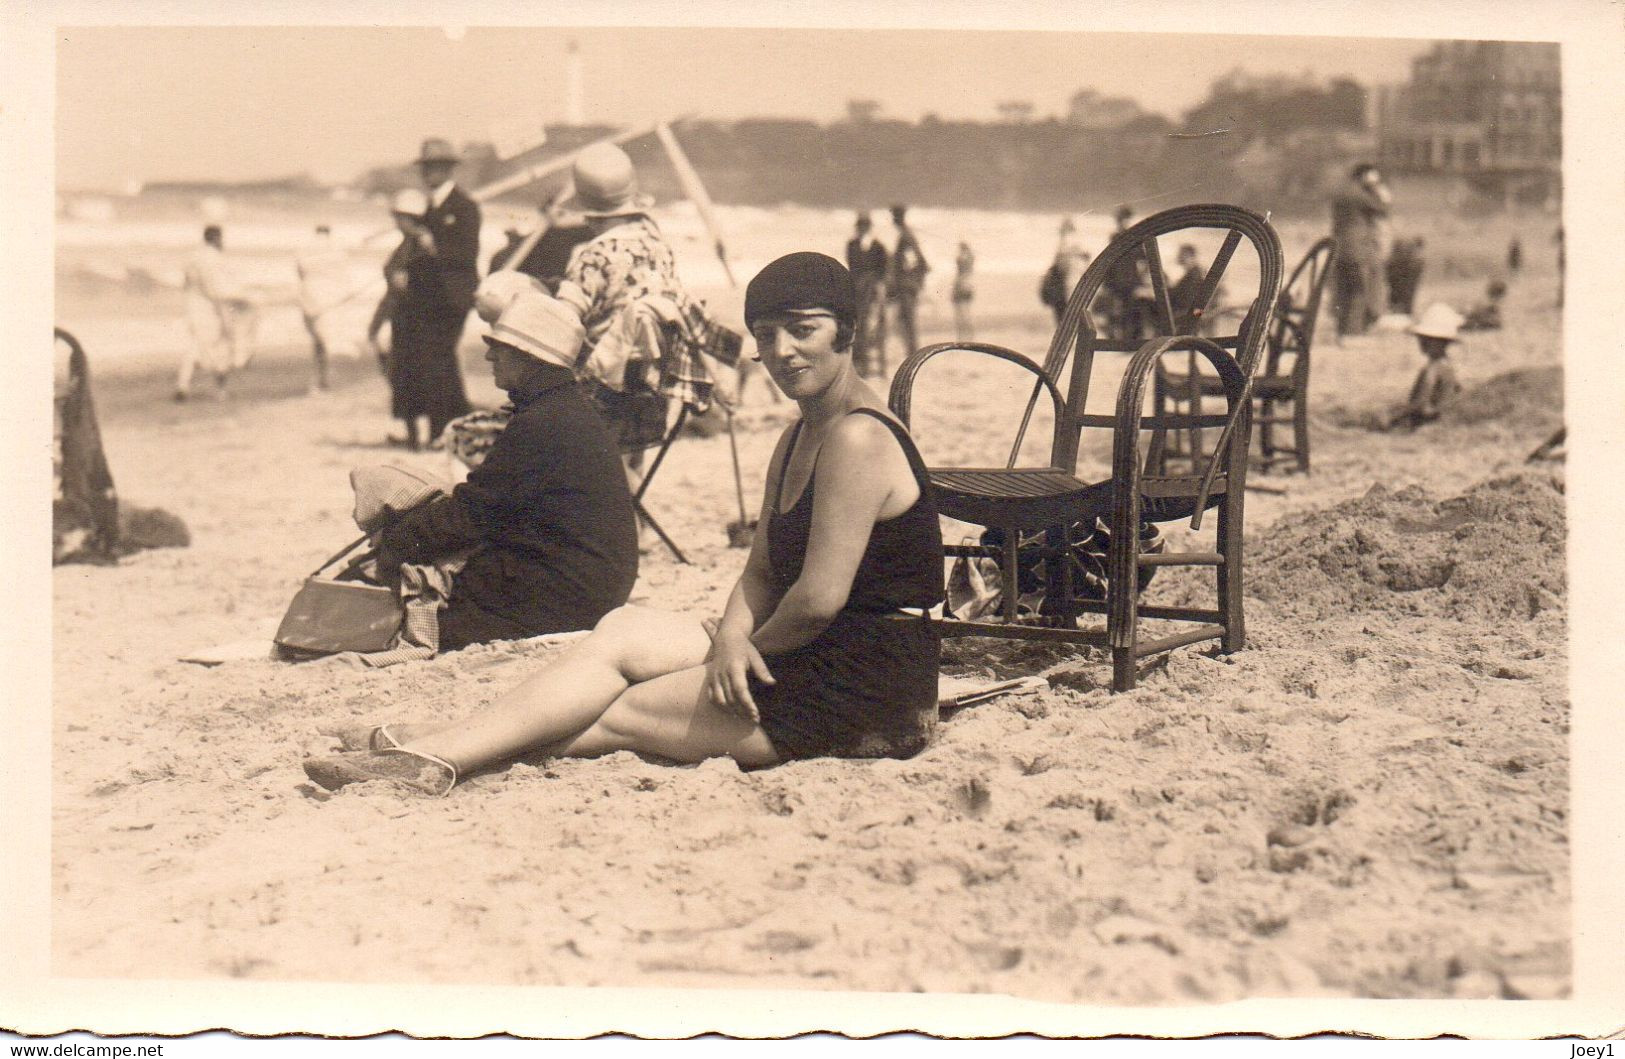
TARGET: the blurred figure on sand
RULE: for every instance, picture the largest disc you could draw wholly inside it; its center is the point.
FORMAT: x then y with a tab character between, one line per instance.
964	292
1514	255
219	313
442	272
323	286
646	337
1404	273
1183	294
1125	290
1360	226
1436	385
867	260
549	256
1071	259
904	281
541	538
1486	315
825	647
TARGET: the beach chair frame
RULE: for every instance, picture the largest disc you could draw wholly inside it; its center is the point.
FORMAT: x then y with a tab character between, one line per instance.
1042	505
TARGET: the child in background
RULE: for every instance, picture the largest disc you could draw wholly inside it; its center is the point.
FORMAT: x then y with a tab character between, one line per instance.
1486	316
1436	385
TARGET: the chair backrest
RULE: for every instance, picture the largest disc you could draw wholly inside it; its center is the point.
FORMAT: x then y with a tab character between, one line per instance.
1297	312
1075	335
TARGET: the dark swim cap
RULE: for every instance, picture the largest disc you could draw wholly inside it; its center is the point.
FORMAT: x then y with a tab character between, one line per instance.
803	280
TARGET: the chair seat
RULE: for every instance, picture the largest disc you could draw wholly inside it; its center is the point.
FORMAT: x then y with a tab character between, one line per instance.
1039	496
1274	386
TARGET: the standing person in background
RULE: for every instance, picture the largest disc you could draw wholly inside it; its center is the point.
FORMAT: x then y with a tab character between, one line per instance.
322	283
442	274
1404	273
1124	288
1360	226
407	208
964	292
1071	260
905	280
867	260
1514	255
220	315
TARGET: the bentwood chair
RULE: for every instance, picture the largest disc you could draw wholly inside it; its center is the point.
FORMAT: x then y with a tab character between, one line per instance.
1283	380
1040	508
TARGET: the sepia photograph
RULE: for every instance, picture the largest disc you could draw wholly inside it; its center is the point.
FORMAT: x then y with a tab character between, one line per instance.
1062	511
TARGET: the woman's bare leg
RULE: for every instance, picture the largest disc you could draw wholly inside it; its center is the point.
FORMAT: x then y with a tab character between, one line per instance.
630	646
671	716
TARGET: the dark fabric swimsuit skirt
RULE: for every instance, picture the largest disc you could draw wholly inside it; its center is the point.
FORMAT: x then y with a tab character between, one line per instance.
867	686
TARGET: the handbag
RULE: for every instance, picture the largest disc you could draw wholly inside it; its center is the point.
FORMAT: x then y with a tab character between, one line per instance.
331	614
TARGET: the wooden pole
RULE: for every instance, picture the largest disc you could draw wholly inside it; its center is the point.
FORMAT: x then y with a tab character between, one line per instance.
695	190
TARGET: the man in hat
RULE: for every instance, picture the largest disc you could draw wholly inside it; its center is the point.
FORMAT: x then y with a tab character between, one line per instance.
866	259
547	511
441	279
1436	385
905	279
1360	226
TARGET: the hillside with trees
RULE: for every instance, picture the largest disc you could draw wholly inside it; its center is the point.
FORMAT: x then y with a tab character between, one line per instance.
1274	142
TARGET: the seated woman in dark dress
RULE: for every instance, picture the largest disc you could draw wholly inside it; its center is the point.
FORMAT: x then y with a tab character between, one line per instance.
825	647
547	513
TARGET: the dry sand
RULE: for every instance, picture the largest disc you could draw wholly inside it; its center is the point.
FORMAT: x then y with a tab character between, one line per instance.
1371	800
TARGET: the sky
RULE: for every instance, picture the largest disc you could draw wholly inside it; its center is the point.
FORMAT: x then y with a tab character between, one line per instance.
165	103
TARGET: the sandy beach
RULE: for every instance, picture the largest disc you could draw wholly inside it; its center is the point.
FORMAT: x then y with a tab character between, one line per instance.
1370	800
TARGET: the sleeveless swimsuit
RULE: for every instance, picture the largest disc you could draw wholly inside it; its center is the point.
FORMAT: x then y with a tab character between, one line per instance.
867	685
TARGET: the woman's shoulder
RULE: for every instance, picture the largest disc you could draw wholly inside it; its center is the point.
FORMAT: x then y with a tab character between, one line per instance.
865	434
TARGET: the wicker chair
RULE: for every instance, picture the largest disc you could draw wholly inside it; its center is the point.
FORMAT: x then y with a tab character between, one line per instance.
1047	503
1284	379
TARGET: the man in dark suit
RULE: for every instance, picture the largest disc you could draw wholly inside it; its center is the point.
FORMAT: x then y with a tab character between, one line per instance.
866	259
441	280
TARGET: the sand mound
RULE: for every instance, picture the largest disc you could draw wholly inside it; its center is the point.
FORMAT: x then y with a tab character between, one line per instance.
1531	396
1495	552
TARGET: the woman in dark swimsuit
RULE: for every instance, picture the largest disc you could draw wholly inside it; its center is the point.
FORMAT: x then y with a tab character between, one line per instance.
825	647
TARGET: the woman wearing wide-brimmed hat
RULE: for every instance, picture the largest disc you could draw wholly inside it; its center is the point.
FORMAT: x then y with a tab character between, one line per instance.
626	260
825	647
545	520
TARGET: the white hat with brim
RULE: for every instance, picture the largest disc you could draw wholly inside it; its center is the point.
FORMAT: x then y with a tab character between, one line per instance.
540	326
1439	321
606	184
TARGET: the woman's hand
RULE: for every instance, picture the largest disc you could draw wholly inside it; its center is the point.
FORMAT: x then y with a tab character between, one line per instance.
727	674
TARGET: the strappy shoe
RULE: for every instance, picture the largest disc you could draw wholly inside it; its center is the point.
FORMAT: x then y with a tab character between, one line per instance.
361	737
425	773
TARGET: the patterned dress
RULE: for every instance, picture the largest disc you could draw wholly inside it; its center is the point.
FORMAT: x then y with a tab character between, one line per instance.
607	275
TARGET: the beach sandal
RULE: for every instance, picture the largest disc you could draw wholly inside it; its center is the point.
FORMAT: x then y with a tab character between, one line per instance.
364	737
411	768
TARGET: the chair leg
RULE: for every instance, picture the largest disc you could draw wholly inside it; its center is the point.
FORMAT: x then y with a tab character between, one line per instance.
1012	572
1229	532
1266	439
1300	429
643	513
1122	600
